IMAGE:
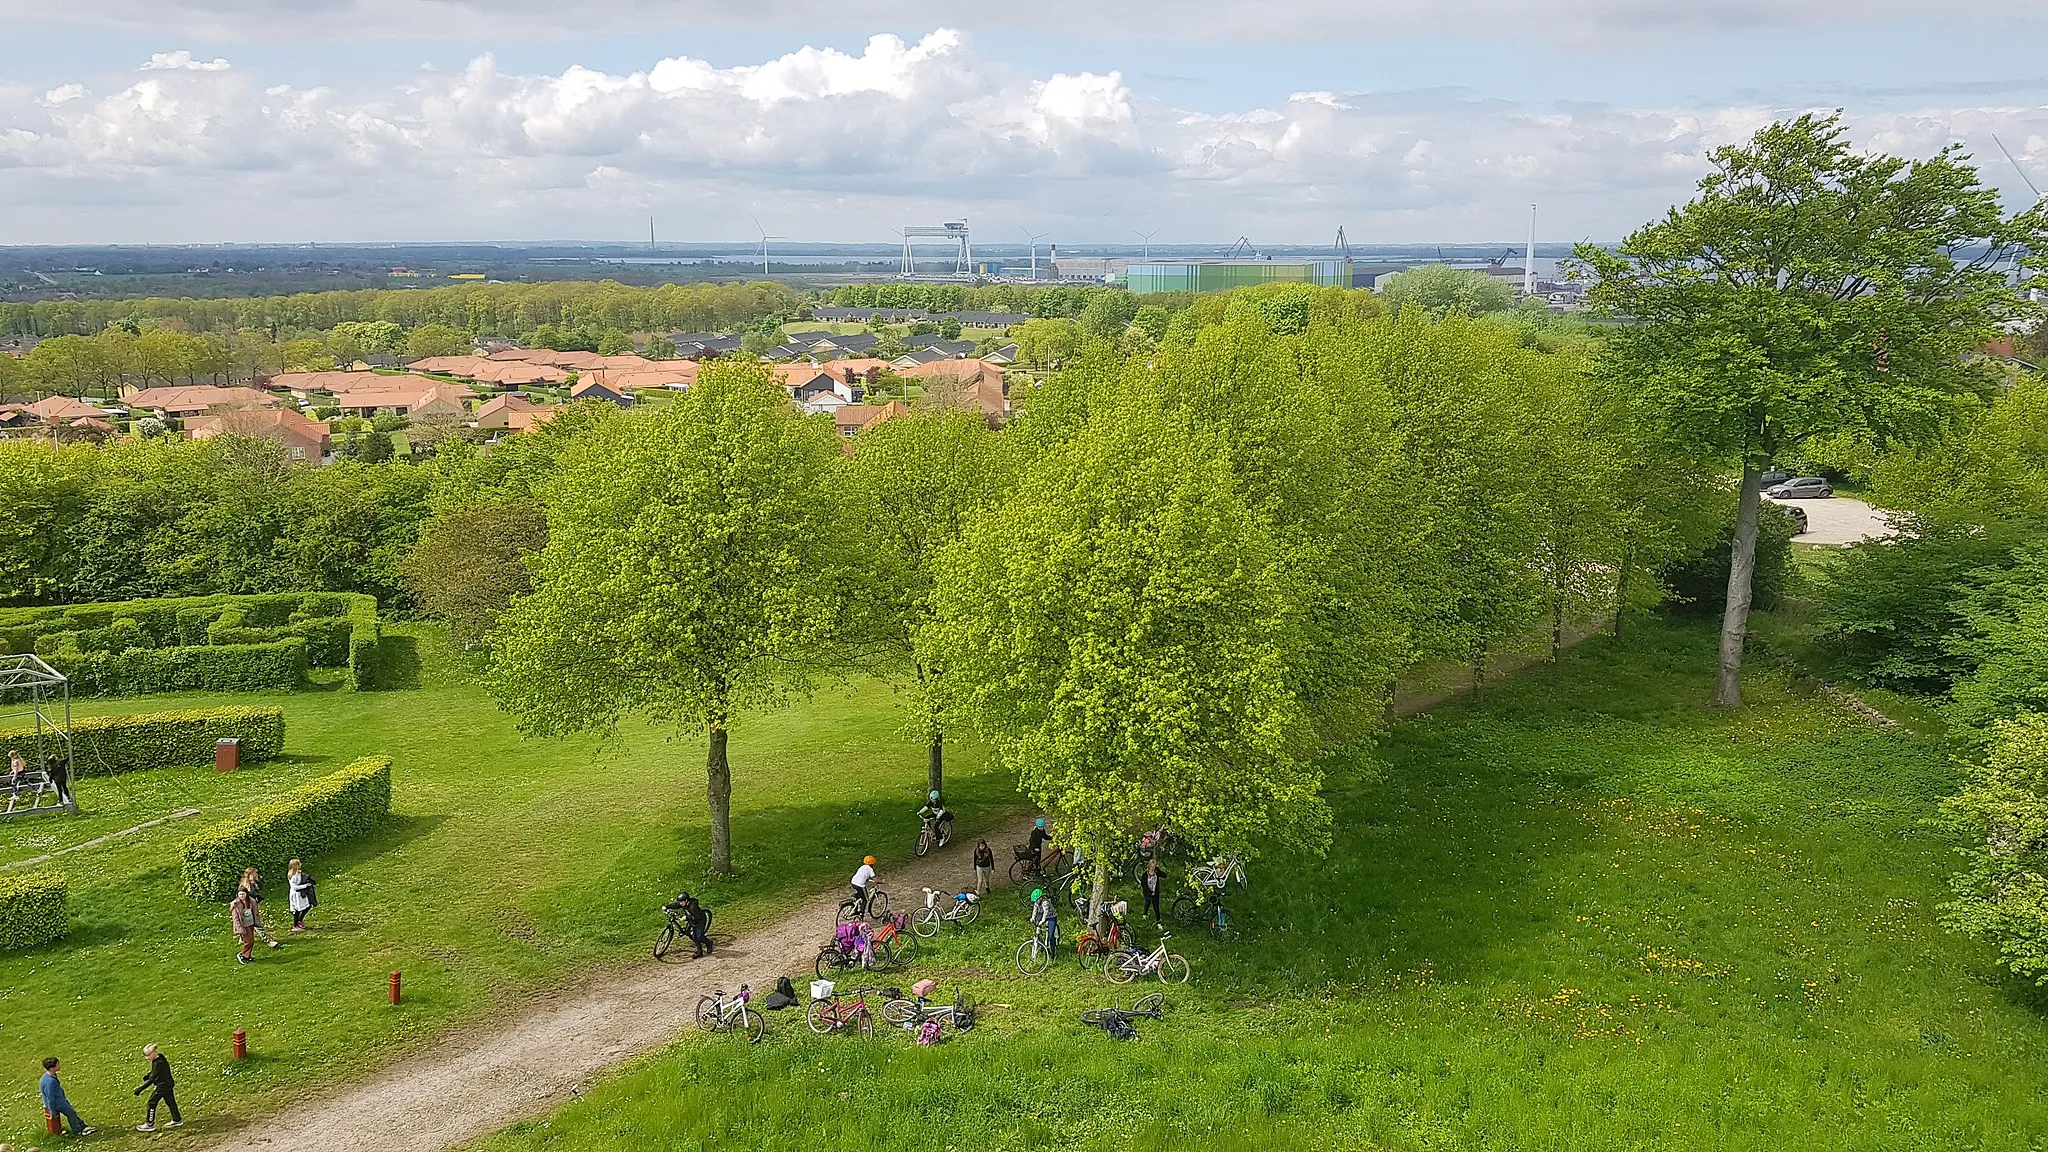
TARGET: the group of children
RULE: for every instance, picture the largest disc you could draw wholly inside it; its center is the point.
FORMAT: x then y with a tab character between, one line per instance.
245	911
157	1081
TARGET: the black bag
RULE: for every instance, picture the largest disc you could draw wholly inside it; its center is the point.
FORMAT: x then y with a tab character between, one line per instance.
784	995
1119	1027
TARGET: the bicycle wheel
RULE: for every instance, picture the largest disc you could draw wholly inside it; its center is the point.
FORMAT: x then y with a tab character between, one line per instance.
849	910
753	1024
1032	957
1122	968
1090	953
1221	928
707	1013
1019	869
924	840
878	904
926	923
945	833
1186	910
899	1011
864	1025
828	961
667	938
969	913
1174	970
822	1016
1095	1016
1151	1004
902	949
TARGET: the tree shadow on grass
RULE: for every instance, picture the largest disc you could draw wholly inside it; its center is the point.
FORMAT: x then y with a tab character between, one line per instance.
398	663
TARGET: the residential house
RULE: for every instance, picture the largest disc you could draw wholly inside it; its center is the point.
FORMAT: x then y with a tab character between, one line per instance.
303	437
988	319
916	359
852	419
784	352
860	370
435	401
568	361
56	410
512	412
1005	355
590	388
703	345
955	349
972	385
484	370
825	392
193	399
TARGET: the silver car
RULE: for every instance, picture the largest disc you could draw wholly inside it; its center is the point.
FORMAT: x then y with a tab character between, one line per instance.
1802	488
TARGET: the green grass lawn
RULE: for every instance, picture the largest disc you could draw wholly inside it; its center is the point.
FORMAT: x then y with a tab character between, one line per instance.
511	865
1587	913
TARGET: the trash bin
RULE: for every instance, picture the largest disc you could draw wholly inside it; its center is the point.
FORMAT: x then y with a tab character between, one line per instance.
227	754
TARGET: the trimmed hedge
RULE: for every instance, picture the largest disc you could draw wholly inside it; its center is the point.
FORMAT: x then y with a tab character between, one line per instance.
35	908
222	668
102	745
311	819
334	630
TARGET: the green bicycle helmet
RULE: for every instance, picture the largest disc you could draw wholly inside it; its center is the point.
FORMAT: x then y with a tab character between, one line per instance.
1038	893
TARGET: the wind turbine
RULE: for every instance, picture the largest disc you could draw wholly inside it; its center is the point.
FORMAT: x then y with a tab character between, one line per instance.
1147	238
1034	237
765	238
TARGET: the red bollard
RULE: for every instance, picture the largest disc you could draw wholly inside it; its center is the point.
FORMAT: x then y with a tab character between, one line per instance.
394	987
241	1043
50	1123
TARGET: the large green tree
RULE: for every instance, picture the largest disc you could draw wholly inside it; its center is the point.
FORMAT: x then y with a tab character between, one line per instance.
920	480
1809	290
693	568
1122	630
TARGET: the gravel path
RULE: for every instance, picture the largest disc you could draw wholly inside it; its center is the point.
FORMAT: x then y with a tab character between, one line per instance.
482	1078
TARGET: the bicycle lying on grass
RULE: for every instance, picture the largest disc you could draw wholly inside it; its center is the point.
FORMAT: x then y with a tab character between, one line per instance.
959	1014
717	1013
1152	1005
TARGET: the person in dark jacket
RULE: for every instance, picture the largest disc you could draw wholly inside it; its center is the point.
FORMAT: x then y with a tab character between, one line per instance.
157	1082
1151	882
984	866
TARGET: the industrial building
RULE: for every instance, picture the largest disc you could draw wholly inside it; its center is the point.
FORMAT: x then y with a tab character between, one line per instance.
1222	275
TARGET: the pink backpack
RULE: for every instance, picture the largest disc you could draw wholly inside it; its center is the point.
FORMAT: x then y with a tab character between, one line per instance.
929	1033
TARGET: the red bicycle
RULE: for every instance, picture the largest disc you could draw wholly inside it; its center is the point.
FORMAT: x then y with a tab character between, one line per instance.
830	1012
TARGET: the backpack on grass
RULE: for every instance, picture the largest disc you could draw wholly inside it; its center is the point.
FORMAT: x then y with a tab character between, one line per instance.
784	995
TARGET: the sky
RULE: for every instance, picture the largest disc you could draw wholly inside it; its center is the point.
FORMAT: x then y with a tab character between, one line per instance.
1405	121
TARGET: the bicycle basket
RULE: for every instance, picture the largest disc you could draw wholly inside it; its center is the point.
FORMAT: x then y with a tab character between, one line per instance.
1022	851
821	989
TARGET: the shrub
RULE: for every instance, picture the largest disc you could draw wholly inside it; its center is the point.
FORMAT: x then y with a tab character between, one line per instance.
2002	895
333	629
34	909
311	819
1700	584
103	745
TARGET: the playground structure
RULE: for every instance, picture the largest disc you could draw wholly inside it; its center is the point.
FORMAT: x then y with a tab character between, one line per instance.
32	691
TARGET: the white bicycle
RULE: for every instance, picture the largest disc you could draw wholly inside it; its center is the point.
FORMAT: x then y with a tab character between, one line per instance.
964	910
1218	872
1172	967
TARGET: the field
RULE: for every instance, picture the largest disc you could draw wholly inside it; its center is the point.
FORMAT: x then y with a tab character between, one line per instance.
1584	913
512	865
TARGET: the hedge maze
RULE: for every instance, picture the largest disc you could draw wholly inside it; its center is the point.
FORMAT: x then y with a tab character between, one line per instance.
200	643
321	814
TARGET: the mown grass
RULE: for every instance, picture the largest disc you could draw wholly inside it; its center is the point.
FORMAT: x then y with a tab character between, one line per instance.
1584	913
511	865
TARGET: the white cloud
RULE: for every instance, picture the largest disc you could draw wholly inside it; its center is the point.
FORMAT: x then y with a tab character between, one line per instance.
183	59
821	143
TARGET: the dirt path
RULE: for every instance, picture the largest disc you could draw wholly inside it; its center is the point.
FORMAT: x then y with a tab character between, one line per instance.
480	1079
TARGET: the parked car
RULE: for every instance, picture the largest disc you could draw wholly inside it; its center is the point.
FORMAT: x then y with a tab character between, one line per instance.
1797	514
1773	478
1801	488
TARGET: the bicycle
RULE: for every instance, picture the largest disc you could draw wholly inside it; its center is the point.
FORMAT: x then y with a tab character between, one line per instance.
1152	1004
898	944
1218	872
851	946
1034	956
1027	864
1221	926
829	1013
1172	967
675	929
965	910
715	1013
959	1014
937	832
872	905
1094	951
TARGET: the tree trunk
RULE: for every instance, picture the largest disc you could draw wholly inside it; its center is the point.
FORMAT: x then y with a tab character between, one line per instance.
1557	620
935	764
1098	900
1741	572
720	792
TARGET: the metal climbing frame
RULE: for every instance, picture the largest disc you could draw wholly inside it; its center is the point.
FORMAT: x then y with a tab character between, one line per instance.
32	691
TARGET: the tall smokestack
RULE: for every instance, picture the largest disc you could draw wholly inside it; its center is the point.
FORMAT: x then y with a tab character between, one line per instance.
1529	258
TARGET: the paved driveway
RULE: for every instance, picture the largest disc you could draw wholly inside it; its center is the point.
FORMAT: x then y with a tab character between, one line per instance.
1840	520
